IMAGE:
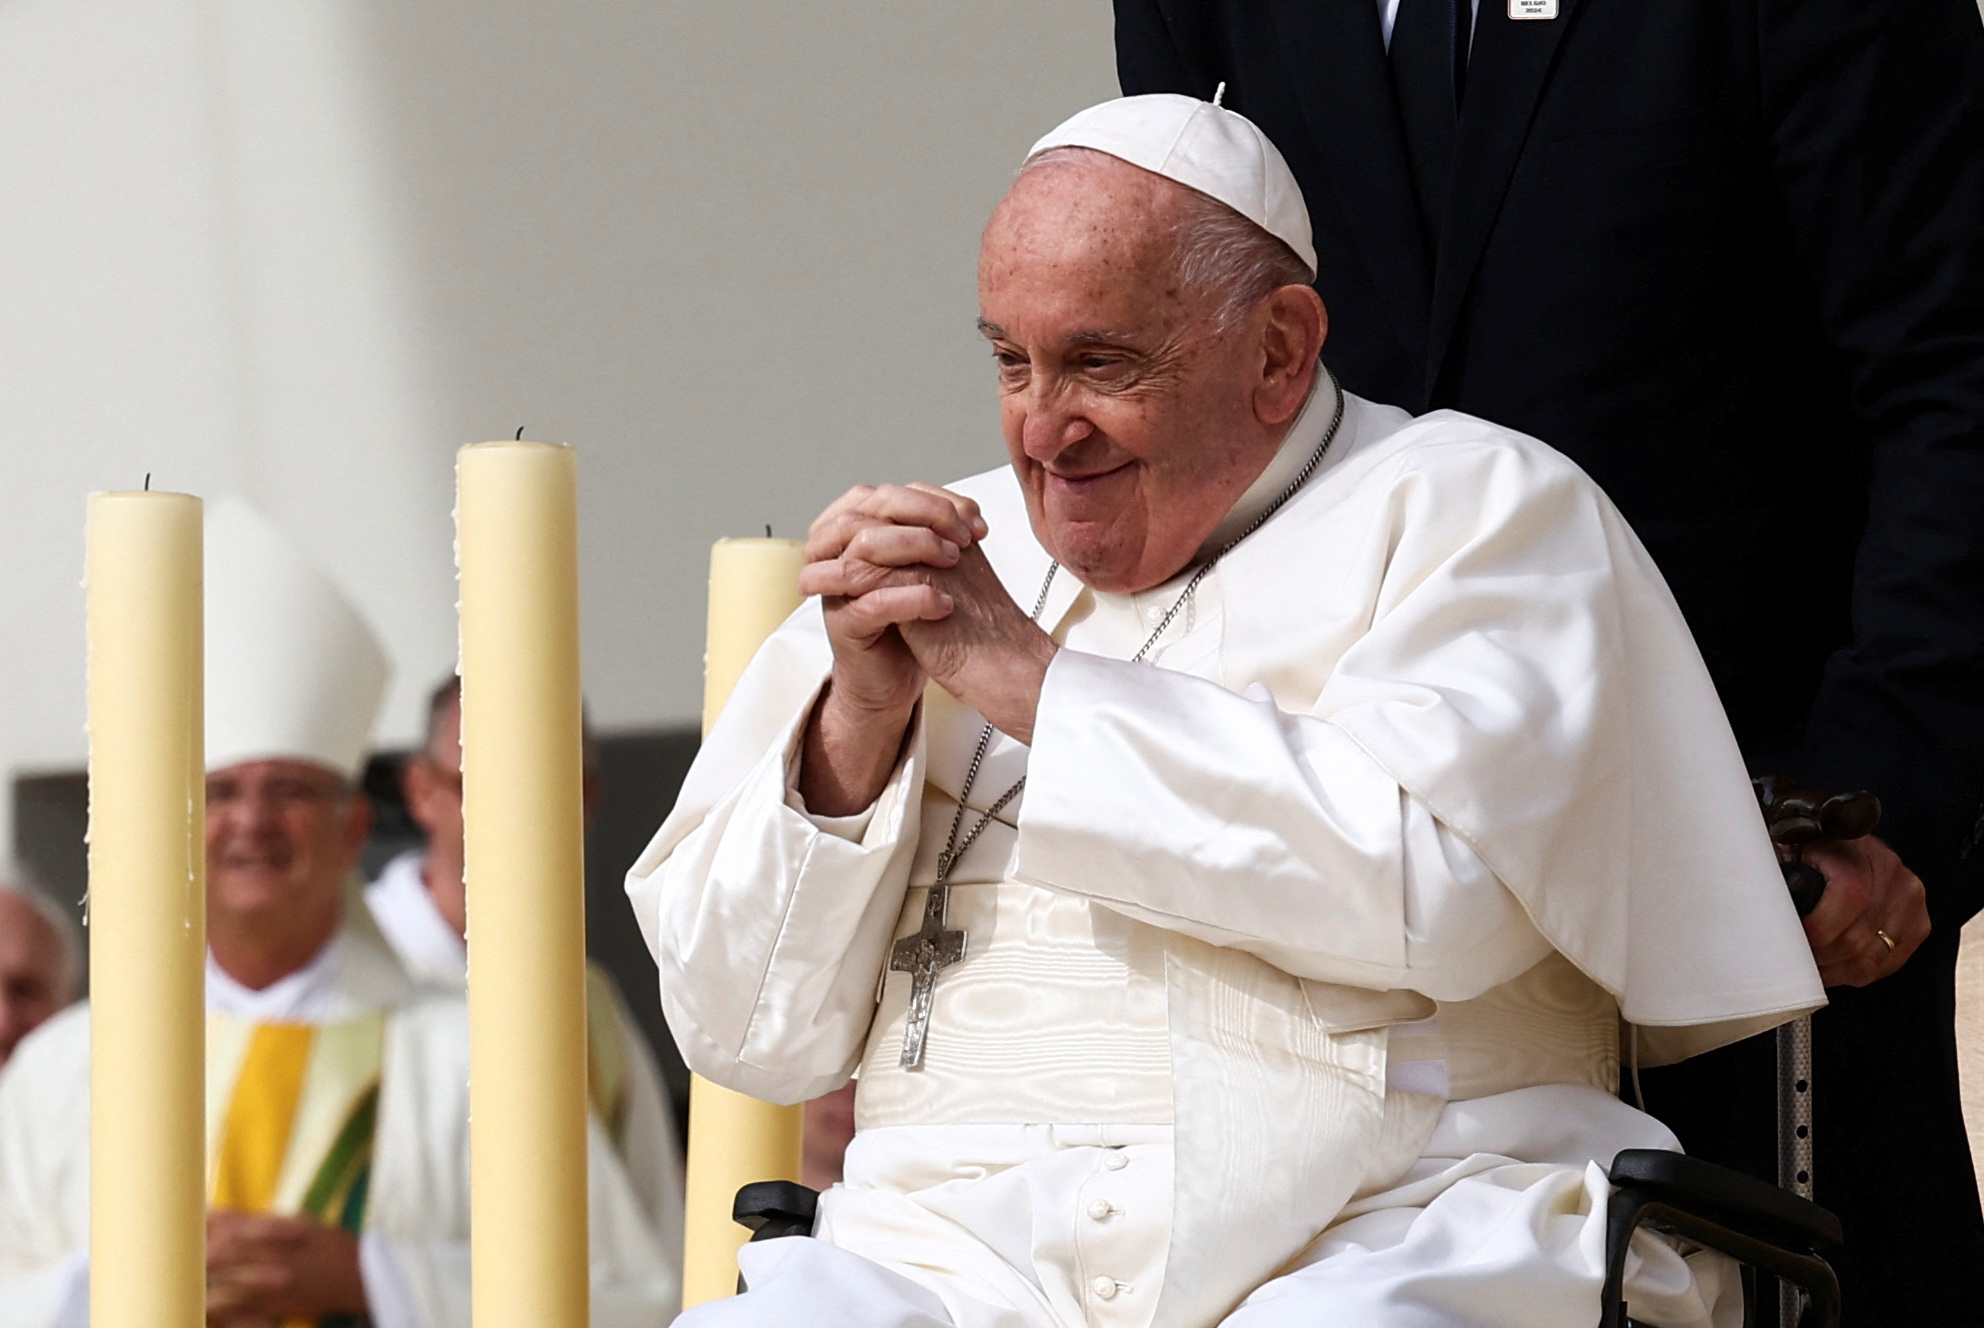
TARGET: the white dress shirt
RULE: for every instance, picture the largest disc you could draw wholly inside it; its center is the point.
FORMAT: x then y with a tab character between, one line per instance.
1388	15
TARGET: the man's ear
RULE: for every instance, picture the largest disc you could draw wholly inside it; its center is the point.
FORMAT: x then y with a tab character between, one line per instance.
416	787
1293	326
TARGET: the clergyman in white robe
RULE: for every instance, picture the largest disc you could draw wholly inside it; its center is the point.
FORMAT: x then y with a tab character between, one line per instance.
413	1248
1295	979
626	1081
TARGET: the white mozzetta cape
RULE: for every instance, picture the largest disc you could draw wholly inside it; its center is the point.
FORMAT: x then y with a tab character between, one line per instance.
418	1205
1449	607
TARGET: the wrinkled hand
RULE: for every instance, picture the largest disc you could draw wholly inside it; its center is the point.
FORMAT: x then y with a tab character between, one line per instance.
1868	890
263	1269
868	535
852	553
908	596
986	651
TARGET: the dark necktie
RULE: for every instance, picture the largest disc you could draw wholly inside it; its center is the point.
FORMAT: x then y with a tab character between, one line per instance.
1428	51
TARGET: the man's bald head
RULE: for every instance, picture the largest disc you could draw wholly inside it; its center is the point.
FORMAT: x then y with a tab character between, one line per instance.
1153	346
40	962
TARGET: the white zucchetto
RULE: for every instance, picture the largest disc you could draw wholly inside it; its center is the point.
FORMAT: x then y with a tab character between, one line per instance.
1202	146
293	671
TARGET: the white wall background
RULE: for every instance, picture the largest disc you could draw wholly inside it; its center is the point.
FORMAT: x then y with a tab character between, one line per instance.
302	251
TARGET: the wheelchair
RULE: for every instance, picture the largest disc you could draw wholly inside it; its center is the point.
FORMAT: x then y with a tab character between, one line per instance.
1769	1229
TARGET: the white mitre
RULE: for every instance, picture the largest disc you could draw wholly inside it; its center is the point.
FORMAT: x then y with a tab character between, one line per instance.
293	671
1202	146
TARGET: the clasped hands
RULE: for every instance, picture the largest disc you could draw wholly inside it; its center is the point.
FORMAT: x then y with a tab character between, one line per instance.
264	1268
909	598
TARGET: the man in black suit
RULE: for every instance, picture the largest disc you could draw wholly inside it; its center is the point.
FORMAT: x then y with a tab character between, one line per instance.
1728	255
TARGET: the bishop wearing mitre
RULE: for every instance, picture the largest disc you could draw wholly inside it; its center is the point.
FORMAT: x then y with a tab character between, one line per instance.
1235	842
337	1087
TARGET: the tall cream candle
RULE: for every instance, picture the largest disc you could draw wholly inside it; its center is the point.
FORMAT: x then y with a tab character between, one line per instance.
147	912
734	1139
517	543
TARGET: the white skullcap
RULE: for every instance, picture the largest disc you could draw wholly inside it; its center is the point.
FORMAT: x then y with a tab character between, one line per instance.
293	671
1202	146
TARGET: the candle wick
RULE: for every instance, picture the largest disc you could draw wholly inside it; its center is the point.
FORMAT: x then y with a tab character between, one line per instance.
148	483
520	433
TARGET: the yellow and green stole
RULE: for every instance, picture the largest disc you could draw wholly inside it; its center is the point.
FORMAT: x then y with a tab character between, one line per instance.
291	1110
606	1053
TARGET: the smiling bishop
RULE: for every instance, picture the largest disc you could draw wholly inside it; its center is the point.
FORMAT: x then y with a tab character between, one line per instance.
1227	840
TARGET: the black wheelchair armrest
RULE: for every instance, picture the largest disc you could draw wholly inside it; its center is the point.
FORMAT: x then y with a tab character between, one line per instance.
1729	1198
774	1208
1724	1210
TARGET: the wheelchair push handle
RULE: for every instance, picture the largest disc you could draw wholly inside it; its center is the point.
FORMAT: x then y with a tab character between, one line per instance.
774	1208
1796	814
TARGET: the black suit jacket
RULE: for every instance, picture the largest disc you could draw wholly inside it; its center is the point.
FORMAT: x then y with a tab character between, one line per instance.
1729	256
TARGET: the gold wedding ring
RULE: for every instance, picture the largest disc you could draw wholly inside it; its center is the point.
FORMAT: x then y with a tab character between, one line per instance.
1886	939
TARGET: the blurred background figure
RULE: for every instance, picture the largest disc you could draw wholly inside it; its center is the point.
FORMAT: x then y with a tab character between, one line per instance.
40	961
374	233
420	903
337	1134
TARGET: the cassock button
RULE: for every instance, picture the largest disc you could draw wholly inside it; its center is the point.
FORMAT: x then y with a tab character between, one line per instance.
1104	1288
1100	1209
1114	1160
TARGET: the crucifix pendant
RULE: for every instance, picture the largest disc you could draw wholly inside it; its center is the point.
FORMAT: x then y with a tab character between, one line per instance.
923	955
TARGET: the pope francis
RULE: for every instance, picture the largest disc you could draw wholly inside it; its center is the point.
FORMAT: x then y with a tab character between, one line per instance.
337	1088
1228	841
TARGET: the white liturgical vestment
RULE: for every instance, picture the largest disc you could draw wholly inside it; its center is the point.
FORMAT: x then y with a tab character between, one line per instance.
1298	969
634	1109
413	1249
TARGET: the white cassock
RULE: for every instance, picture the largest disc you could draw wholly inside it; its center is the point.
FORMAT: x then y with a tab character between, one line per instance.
1296	978
629	1093
413	1249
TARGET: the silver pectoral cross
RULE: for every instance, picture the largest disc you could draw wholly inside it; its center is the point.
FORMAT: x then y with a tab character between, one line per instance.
932	949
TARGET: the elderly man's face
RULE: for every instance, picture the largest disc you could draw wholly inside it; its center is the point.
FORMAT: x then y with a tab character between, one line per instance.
1132	421
32	983
281	835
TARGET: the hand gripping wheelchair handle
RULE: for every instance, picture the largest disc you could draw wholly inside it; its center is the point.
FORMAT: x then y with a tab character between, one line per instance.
1724	1210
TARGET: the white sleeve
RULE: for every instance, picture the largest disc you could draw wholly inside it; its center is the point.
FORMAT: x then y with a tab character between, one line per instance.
635	1283
425	1283
646	1138
54	1296
72	1275
1177	802
769	930
389	1300
44	1177
415	1283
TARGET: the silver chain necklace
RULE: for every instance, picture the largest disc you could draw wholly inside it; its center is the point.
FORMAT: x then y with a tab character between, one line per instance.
933	946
